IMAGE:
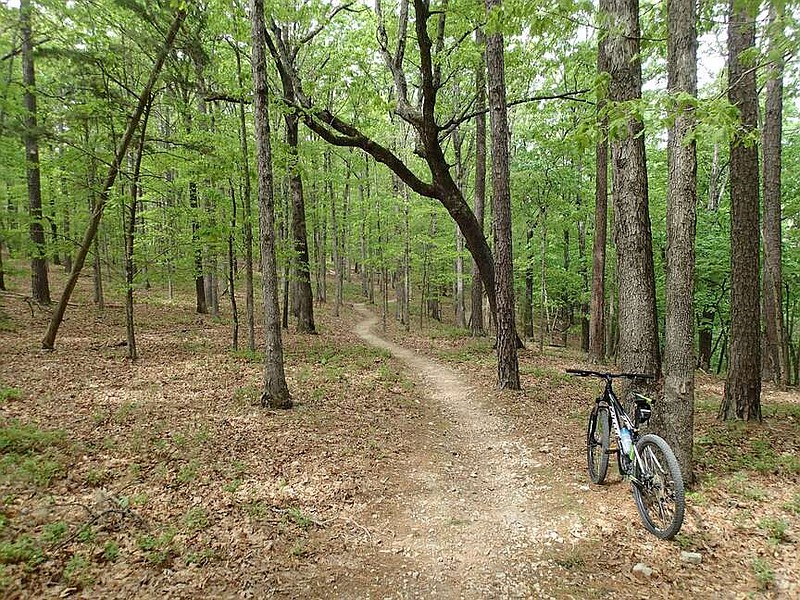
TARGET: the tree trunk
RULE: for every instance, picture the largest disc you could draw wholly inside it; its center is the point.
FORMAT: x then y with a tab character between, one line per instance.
705	338
597	321
742	399
638	327
130	232
675	421
40	286
276	392
247	218
458	287
776	342
232	273
199	281
476	296
507	362
303	293
58	315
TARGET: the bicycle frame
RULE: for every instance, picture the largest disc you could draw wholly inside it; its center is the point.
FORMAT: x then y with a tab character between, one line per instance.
619	417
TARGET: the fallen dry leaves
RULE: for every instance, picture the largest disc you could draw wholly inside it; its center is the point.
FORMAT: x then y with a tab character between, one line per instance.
169	481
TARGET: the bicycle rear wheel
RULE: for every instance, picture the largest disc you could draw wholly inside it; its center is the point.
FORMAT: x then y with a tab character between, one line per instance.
597	442
658	487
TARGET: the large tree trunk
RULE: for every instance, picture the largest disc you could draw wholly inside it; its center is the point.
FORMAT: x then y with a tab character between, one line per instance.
276	392
303	294
597	321
675	420
776	343
507	362
91	231
638	328
40	286
742	398
476	296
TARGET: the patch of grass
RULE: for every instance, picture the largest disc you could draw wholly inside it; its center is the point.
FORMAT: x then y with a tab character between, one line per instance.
22	550
232	485
96	477
126	411
196	519
740	485
76	572
188	472
697	498
158	550
111	551
765	574
36	470
253	356
258	510
793	505
299	518
248	395
20	438
86	534
9	393
201	557
299	549
52	533
775	528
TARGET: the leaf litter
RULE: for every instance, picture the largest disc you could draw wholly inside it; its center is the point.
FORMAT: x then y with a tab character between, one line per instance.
168	480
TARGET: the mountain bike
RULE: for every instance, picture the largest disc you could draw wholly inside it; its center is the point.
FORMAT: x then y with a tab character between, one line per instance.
646	461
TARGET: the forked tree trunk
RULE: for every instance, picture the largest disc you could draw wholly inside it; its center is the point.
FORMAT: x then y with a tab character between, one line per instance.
742	399
275	393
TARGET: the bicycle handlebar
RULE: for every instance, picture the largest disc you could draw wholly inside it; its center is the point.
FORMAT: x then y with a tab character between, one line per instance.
584	373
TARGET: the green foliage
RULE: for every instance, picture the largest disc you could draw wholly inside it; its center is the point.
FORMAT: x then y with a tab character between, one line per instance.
21	550
765	574
776	529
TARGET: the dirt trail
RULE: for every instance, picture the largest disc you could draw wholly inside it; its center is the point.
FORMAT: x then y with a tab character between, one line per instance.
472	520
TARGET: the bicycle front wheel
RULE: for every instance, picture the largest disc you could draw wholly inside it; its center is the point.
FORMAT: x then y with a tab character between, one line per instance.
597	442
658	487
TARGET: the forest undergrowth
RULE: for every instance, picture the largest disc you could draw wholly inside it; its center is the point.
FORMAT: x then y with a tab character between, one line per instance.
165	478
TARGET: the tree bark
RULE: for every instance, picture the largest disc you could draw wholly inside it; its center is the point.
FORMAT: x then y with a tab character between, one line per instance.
275	393
40	285
58	315
776	342
597	321
130	232
638	327
507	361
476	325
742	399
303	293
675	421
247	218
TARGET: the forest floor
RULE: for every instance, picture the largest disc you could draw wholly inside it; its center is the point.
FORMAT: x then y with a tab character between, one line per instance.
400	472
